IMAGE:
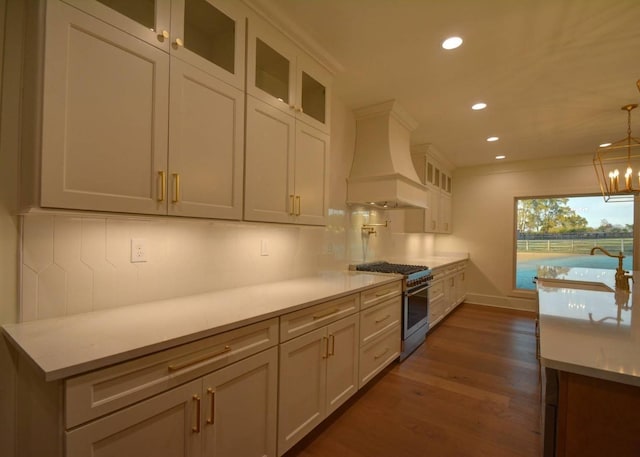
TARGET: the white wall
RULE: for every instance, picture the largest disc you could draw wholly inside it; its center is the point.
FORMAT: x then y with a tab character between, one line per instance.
483	219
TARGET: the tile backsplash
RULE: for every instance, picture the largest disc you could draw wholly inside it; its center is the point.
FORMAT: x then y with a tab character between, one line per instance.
78	263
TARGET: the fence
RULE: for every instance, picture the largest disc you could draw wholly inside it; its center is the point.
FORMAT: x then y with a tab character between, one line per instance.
577	246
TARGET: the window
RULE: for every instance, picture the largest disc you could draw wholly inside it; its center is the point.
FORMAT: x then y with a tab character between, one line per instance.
560	232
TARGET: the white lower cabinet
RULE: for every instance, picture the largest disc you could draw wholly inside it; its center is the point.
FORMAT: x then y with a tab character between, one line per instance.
234	394
318	373
160	426
230	412
447	291
286	168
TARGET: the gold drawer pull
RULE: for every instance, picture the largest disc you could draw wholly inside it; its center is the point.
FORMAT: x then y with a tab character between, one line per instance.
298	200
325	340
376	357
163	185
211	417
332	351
196	428
181	366
326	313
382	294
383	319
176	188
292	207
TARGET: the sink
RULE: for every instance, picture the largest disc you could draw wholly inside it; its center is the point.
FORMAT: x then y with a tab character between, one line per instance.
574	284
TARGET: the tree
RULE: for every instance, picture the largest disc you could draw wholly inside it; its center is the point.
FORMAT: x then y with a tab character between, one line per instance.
548	215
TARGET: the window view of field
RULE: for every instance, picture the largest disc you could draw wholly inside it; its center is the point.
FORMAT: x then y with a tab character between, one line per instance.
560	233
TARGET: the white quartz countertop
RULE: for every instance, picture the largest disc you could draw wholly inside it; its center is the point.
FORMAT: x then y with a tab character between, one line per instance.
593	333
66	346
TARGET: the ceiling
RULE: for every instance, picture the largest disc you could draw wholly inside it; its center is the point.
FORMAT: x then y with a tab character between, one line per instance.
554	73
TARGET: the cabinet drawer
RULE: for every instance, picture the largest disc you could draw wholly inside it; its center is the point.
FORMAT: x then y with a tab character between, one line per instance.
308	319
378	294
378	354
379	318
436	292
102	391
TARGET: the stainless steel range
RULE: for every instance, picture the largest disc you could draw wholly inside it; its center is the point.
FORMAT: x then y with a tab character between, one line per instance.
415	300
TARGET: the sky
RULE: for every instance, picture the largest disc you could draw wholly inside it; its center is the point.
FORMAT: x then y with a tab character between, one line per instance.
594	209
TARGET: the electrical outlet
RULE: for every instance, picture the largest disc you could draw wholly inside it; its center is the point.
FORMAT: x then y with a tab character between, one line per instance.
138	250
264	248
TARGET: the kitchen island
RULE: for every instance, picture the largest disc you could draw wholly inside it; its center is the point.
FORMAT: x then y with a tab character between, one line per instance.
590	362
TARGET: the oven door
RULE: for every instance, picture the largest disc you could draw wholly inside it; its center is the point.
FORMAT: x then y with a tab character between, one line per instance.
416	310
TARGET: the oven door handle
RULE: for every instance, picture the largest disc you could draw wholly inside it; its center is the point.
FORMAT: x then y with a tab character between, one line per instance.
417	291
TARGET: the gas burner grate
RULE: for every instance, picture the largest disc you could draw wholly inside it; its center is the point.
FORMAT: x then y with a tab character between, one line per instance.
386	267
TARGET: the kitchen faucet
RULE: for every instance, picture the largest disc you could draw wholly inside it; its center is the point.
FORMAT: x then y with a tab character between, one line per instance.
622	278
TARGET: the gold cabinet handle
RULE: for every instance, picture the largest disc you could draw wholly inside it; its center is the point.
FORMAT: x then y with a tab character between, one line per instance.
376	357
325	340
326	313
332	351
212	394
196	428
383	319
178	43
176	188
163	185
382	294
298	200
292	208
163	35
181	366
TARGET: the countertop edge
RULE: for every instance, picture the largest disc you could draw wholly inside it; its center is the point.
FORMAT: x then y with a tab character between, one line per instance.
73	369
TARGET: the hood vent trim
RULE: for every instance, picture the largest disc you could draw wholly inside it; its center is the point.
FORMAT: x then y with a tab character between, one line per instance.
382	174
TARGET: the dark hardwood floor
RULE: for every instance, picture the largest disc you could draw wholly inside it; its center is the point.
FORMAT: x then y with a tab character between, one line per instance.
470	390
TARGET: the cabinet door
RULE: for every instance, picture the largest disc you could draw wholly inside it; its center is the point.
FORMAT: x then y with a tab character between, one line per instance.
433	212
210	34
342	361
205	145
240	408
313	93
445	213
311	163
302	391
104	116
271	67
146	20
269	187
164	425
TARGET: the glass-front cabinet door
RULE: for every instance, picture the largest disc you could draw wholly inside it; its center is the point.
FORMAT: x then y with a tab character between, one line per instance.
209	34
284	76
313	93
148	20
271	63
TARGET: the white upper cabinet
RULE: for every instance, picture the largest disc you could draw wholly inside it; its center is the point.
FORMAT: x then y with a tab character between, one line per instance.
436	218
287	149
104	117
286	168
208	34
128	127
282	75
206	145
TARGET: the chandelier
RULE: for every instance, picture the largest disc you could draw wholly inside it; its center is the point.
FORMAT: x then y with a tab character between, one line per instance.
612	160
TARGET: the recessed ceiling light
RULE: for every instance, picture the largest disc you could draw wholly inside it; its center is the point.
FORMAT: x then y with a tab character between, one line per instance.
604	145
500	157
492	139
452	42
479	106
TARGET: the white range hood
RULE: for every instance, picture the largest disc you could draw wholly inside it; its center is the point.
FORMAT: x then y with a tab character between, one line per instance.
382	173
